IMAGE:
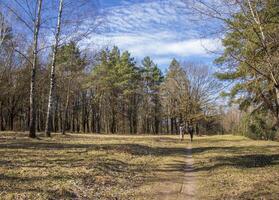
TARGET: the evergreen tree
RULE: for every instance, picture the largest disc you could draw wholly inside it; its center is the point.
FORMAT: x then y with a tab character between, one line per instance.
251	51
152	78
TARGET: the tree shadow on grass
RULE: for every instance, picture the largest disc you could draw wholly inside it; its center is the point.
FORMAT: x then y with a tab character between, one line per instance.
130	148
19	185
234	149
261	190
114	168
249	161
67	160
112	173
237	161
135	149
237	157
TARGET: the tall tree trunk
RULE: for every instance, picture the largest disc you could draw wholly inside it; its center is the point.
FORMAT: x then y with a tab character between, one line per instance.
113	123
176	126
66	110
172	125
135	122
1	116
32	126
55	118
12	122
92	124
73	118
277	99
60	124
168	129
98	118
52	75
83	111
27	119
38	120
197	129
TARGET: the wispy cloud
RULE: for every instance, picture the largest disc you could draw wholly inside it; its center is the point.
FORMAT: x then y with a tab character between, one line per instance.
156	28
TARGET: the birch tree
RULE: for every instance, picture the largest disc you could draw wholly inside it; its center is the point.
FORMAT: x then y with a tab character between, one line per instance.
26	17
52	75
4	30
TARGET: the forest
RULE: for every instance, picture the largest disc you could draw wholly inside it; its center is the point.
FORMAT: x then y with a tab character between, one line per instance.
73	89
113	96
105	92
80	120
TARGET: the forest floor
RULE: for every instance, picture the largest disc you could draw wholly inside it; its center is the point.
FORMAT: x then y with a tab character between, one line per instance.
78	166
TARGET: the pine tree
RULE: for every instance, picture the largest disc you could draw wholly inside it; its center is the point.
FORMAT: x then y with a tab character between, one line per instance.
251	49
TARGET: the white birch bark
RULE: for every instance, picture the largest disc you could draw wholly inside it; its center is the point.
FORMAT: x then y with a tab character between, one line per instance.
52	75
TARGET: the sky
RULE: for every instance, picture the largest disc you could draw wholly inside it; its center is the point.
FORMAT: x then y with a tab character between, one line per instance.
160	29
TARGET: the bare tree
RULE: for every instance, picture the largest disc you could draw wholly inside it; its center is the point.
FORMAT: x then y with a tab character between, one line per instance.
53	65
4	30
32	131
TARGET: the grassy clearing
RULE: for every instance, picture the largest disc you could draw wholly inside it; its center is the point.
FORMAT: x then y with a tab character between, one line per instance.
233	167
135	167
85	166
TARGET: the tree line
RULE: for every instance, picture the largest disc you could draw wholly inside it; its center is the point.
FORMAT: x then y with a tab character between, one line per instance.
71	89
113	94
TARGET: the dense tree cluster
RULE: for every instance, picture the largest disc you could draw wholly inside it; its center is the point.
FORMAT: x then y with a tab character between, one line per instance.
113	94
64	88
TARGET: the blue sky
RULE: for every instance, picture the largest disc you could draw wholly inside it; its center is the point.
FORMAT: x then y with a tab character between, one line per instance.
160	29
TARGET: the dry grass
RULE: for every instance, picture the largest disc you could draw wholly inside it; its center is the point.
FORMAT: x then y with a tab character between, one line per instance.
234	167
135	167
84	166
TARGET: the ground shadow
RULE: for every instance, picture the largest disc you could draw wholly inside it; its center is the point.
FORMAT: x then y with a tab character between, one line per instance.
116	168
247	161
133	149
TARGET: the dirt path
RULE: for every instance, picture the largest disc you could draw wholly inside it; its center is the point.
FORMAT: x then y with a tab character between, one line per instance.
188	185
179	182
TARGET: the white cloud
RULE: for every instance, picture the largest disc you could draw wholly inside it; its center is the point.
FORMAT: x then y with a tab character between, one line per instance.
160	45
157	28
148	16
184	48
